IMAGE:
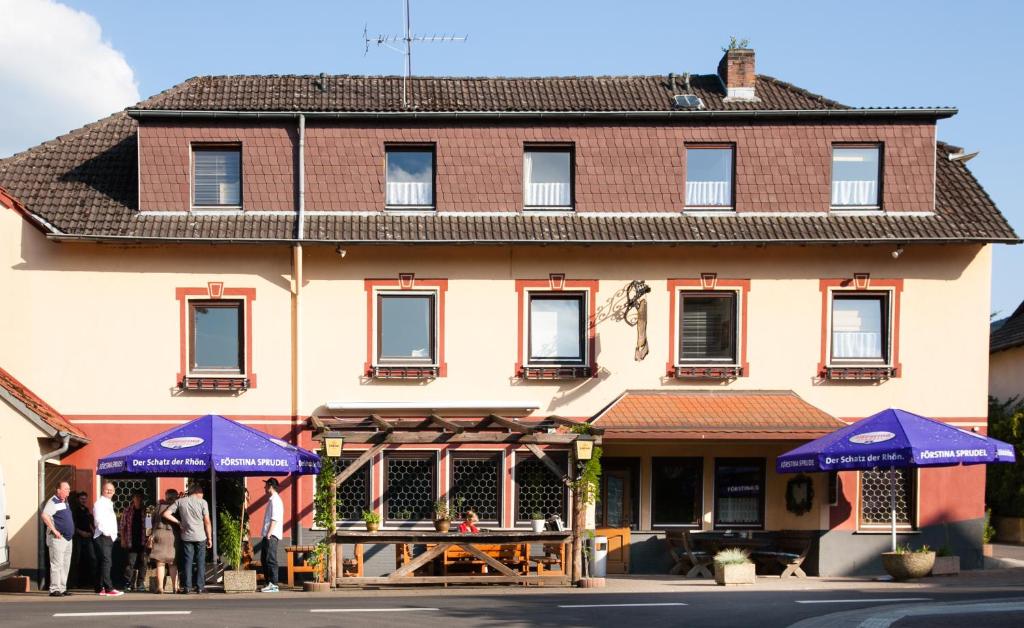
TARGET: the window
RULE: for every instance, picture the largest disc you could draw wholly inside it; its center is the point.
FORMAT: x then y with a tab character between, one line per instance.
876	495
216	338
557	328
548	177
216	176
353	495
125	488
707	327
677	488
476	485
410	177
860	326
406	328
856	176
617	502
739	493
409	487
539	490
709	175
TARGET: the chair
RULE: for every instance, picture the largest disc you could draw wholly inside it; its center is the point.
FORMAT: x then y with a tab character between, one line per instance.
680	547
789	549
553	559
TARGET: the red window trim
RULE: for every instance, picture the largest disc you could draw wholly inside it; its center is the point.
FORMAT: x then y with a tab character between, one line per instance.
708	282
405	281
557	283
861	282
214	290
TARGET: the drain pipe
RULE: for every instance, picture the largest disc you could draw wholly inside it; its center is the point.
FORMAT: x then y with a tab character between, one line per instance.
300	227
65	444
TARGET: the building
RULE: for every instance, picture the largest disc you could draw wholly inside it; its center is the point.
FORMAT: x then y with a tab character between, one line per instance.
275	248
1006	357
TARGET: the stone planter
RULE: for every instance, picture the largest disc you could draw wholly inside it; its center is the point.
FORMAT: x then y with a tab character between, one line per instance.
316	587
442	525
591	583
728	575
240	581
987	550
908	564
537	524
946	566
372	527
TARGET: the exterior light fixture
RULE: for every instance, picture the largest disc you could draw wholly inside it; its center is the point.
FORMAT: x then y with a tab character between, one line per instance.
583	447
333	446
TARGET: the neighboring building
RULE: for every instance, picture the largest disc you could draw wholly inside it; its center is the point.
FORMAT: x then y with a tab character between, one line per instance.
275	248
1006	357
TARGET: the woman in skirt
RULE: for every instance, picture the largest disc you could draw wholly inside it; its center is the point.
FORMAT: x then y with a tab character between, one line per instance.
166	539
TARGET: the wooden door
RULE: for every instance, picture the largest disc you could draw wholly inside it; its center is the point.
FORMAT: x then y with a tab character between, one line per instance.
618	549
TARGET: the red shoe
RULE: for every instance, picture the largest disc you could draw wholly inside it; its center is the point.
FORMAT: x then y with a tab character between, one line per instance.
114	593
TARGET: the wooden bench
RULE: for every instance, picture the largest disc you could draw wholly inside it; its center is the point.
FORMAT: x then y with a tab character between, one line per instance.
788	548
680	547
514	556
293	568
552	561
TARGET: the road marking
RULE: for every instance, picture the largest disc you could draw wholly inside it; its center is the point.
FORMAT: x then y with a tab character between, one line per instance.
371	610
122	613
866	599
619	605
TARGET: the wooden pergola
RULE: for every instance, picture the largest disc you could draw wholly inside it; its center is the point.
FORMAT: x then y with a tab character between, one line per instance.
381	432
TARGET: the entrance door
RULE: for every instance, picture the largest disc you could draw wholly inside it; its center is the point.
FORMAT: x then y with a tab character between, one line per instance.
617	499
616	509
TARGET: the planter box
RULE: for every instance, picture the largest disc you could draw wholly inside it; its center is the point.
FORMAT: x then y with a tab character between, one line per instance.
1009	529
241	581
987	550
735	574
316	587
908	564
946	566
591	583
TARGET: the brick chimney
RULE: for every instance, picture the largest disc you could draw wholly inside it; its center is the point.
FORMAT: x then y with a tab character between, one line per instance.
737	72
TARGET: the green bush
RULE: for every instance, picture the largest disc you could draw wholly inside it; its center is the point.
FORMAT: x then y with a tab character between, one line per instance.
1004	489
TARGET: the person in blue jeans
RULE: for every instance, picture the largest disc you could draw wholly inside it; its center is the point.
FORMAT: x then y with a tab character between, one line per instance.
193	518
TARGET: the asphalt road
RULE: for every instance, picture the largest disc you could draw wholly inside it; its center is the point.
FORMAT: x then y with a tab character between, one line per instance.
764	609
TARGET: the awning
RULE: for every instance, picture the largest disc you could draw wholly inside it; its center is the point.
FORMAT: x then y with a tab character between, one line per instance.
713	415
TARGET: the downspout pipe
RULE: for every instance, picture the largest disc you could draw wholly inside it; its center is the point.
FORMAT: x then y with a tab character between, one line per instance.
300	229
65	444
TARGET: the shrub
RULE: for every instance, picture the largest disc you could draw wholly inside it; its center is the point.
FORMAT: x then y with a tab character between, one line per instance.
370	516
229	540
1004	489
732	556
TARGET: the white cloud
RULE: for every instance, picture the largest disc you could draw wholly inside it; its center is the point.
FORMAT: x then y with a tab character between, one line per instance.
56	73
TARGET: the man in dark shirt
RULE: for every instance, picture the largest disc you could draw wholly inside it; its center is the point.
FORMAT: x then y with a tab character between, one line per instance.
133	540
83	558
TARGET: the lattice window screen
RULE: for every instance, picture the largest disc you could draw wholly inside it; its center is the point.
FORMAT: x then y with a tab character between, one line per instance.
875	507
124	488
539	490
476	485
354	493
409	493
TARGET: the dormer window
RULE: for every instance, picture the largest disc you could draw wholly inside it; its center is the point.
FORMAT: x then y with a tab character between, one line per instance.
410	177
547	177
709	177
216	176
856	177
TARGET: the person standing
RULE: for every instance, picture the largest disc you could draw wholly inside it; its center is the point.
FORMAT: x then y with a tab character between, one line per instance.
194	520
83	558
132	532
273	531
60	528
104	537
166	539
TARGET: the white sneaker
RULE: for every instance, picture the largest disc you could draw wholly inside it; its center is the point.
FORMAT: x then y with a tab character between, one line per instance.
270	588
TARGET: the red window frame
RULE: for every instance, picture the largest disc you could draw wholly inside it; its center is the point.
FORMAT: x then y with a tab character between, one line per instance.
405	281
553	284
708	282
215	291
861	282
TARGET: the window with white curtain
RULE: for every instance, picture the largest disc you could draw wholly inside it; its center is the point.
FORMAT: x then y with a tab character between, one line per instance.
860	331
547	177
410	177
556	328
709	177
856	176
216	176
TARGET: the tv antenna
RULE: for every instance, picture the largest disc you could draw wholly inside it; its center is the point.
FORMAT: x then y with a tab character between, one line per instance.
403	44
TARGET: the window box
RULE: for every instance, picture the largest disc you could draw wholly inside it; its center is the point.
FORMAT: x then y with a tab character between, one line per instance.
555	372
856	176
403	372
216	176
548	177
707	372
214	384
710	173
409	177
859	373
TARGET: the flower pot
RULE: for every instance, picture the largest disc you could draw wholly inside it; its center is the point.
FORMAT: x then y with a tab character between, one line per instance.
907	565
537	524
372	527
239	581
442	525
946	566
316	587
987	550
591	583
735	574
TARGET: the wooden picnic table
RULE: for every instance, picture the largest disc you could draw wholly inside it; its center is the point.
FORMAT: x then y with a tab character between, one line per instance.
438	543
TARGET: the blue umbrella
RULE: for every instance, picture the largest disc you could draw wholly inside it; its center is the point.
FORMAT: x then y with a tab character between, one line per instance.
894	438
210	444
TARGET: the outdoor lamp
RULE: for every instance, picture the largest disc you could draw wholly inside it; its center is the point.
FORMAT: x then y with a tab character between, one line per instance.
333	445
583	447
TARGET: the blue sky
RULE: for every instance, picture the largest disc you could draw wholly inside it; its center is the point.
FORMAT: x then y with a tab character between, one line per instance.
964	54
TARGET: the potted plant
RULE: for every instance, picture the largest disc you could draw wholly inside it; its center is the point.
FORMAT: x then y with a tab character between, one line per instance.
905	563
236	579
442	516
372	520
987	534
537	521
319	559
733	566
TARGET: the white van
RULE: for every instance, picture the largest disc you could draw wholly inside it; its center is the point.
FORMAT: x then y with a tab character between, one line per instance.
5	556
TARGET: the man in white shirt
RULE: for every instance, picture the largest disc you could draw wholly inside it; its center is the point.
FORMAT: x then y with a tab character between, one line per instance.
273	531
104	537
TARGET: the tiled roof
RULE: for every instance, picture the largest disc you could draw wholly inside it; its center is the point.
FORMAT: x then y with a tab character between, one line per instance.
759	414
348	93
1010	334
85	184
36	405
